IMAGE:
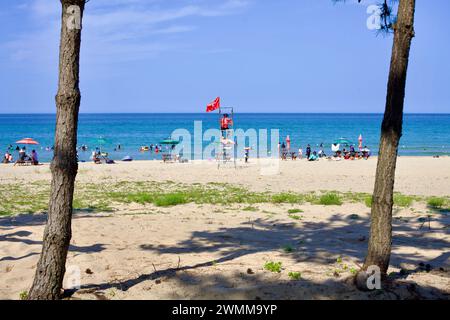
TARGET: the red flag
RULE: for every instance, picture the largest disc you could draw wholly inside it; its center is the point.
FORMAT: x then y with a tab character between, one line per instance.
213	105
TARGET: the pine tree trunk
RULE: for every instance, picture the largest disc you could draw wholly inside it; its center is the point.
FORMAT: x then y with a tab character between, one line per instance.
380	239
51	266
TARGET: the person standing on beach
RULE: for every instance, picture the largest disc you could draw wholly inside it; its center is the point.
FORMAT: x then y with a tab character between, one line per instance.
300	153
247	154
34	157
308	151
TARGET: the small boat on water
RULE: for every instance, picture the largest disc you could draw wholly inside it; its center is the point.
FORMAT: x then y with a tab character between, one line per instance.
127	159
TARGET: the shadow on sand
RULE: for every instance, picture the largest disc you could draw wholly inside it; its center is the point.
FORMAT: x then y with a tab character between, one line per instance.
320	242
10	223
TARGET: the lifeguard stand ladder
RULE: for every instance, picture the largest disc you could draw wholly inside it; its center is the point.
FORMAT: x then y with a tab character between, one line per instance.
226	152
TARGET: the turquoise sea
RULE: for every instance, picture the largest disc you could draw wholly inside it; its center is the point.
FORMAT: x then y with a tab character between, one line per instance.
423	134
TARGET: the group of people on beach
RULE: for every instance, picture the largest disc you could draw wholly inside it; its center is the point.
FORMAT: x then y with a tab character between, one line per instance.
24	158
157	148
352	154
98	157
313	155
309	154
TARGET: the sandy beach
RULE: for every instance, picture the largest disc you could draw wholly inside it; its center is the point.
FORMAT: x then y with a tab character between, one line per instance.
200	250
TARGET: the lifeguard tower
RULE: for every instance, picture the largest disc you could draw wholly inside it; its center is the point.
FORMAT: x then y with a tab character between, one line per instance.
226	153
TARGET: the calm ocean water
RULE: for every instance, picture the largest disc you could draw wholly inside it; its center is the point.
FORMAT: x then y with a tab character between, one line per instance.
424	134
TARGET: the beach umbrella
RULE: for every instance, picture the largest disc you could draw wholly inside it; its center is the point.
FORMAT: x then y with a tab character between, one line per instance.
343	141
169	141
27	141
360	140
288	142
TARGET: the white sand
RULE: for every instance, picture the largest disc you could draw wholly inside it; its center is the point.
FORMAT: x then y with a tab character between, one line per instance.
204	251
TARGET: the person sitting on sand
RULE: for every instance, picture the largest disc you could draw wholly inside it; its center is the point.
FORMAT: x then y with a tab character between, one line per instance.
7	158
22	154
313	157
34	158
322	153
366	153
352	151
95	157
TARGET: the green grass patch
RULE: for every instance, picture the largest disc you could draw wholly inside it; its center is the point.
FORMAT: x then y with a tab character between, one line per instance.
436	203
6	213
353	271
294	275
330	199
100	197
23	295
368	201
170	199
288	248
287	197
140	197
273	266
403	201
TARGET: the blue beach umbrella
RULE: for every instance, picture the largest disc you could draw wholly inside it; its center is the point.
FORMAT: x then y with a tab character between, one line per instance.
343	142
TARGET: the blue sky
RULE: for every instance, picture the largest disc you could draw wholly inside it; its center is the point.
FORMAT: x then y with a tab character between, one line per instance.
258	55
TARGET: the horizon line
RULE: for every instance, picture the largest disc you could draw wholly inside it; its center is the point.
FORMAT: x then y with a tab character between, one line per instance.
366	113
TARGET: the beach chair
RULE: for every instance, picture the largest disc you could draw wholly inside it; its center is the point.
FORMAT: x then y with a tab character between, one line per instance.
167	157
23	162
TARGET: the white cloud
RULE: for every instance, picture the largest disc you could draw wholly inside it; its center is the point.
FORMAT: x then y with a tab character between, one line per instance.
174	29
117	28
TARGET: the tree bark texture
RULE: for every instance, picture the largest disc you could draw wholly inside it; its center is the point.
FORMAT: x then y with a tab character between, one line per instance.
50	270
380	240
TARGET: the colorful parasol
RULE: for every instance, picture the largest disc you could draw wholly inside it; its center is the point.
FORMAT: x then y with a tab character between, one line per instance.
27	141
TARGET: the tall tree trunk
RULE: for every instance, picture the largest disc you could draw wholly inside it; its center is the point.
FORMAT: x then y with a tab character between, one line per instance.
380	239
50	270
